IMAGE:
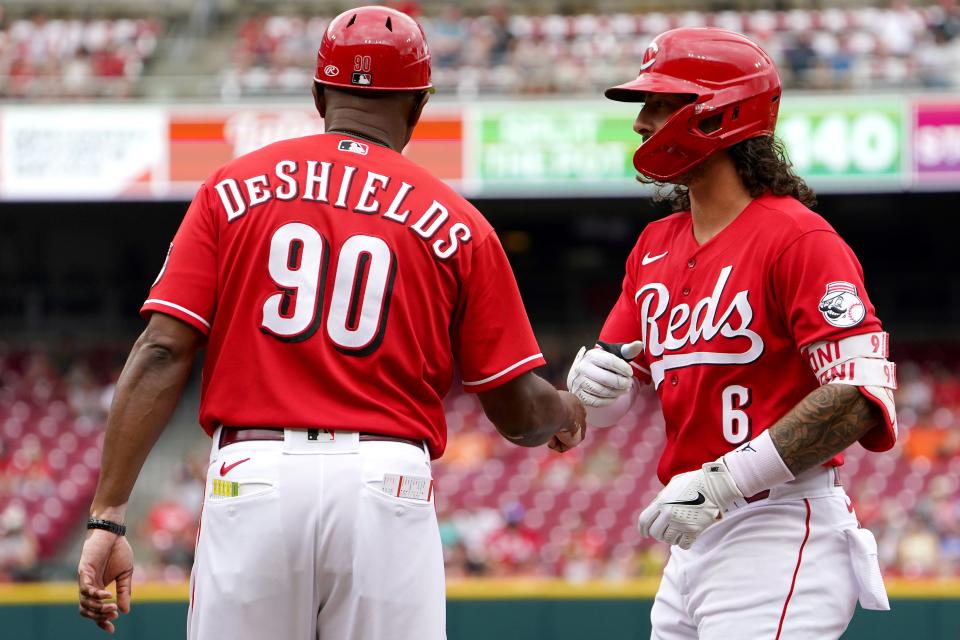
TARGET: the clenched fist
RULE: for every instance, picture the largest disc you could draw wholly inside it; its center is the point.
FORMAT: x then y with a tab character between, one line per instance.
598	377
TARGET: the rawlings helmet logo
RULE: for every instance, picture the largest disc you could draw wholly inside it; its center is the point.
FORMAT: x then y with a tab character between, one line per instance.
330	70
649	56
841	306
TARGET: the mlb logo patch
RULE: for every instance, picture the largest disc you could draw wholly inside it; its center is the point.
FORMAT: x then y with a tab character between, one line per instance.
361	78
353	147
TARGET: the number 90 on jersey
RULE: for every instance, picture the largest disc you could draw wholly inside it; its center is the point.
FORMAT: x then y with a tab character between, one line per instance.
360	300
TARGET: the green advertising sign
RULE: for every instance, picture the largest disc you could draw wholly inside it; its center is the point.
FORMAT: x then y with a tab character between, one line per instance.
844	138
833	141
524	143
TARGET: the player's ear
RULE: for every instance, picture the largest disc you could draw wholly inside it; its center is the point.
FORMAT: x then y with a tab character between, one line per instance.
319	100
417	111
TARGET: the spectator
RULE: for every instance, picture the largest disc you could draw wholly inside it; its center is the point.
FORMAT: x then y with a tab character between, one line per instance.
801	59
446	34
513	550
918	554
170	529
18	548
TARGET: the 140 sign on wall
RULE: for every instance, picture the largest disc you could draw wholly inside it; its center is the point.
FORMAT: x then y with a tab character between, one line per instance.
859	138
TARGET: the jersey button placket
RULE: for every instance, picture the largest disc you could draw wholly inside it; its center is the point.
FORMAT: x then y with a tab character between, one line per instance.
686	291
674	380
691	263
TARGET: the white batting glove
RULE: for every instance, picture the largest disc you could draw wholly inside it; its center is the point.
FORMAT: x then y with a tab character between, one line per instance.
598	377
690	503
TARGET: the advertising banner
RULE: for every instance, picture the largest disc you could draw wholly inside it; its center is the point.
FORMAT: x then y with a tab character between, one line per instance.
521	148
89	152
936	142
530	145
846	140
203	139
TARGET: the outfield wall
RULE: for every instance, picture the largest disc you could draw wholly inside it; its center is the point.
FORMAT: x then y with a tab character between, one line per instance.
518	148
480	610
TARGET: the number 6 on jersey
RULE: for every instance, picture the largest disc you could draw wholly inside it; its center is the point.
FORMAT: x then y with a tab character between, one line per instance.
736	422
298	262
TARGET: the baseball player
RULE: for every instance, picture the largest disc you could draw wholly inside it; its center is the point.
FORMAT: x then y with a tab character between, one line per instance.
747	313
334	284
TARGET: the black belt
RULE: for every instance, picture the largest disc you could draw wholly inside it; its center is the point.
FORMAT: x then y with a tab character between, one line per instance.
233	435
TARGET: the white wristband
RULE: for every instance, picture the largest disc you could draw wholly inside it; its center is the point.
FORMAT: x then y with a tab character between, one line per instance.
757	465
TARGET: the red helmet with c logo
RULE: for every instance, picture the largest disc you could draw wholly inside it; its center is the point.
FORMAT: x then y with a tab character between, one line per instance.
374	48
733	84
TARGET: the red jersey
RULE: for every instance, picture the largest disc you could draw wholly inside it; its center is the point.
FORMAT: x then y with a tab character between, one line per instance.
336	283
724	322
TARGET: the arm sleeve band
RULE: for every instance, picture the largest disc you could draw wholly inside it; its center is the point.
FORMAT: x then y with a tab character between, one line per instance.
861	361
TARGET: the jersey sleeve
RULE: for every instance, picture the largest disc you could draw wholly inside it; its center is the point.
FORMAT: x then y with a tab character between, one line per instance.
186	287
818	282
623	324
492	338
819	285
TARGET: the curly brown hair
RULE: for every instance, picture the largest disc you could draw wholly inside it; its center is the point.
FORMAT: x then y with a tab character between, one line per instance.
763	167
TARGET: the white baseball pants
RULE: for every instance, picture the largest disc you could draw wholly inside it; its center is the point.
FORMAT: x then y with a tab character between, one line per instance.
790	567
306	544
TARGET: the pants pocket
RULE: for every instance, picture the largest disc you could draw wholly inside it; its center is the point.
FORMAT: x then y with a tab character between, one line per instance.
866	568
399	557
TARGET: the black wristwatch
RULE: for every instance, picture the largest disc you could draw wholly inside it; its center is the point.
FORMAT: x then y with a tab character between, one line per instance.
107	525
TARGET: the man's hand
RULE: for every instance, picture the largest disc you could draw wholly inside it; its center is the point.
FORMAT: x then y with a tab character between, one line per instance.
568	438
598	377
690	503
106	557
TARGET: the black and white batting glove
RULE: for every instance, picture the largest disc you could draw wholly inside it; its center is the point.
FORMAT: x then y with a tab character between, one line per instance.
598	376
690	503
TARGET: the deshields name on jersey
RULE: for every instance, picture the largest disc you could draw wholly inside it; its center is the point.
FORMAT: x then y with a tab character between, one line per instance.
685	328
320	180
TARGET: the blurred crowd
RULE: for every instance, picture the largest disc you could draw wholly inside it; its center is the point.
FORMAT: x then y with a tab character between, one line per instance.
504	52
498	51
53	406
503	510
43	57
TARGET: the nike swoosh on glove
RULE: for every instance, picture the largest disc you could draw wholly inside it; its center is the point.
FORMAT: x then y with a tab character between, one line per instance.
598	377
690	503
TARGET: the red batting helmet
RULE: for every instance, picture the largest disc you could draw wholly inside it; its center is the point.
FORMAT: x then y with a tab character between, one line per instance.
728	76
374	48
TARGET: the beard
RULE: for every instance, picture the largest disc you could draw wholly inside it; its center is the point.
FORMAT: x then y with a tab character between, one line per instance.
683	180
692	175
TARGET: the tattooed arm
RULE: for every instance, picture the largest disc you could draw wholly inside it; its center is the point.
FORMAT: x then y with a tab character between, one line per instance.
823	424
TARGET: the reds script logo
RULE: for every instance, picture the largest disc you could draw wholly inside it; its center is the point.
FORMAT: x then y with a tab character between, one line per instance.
841	306
688	328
